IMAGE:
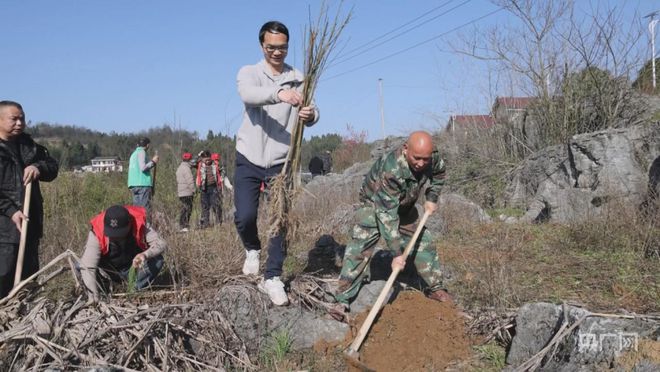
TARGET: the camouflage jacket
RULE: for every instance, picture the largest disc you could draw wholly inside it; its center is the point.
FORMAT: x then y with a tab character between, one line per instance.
393	189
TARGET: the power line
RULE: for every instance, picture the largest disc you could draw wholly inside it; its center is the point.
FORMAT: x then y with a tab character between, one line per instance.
358	48
403	33
415	45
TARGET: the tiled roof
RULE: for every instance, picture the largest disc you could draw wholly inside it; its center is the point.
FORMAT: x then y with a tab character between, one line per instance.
514	102
483	121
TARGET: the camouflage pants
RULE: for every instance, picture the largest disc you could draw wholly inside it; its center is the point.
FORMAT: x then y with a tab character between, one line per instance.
359	251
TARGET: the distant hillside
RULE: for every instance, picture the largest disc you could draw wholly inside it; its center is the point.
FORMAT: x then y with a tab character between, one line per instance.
75	146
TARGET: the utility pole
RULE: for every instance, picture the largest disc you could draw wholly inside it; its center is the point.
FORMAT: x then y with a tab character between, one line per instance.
382	109
652	23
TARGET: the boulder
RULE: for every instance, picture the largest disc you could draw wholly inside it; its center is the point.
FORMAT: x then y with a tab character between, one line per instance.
246	310
381	147
304	327
254	319
368	295
597	343
586	177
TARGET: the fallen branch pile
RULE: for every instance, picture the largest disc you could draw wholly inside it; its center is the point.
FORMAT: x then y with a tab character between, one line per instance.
74	334
38	333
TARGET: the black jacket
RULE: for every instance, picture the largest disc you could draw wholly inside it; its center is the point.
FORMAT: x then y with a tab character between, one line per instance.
316	165
12	192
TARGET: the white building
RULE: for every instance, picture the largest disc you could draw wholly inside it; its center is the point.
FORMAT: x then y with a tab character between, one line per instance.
107	164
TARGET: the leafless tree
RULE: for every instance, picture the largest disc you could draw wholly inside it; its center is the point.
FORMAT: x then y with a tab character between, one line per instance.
577	63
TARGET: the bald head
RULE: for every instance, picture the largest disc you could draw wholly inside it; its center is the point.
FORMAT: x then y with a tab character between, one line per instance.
418	150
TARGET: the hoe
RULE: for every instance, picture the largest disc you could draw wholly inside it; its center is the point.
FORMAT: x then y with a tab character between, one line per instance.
351	354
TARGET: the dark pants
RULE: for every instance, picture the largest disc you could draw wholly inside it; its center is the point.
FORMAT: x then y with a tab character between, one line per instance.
8	257
247	181
145	275
186	210
210	198
142	197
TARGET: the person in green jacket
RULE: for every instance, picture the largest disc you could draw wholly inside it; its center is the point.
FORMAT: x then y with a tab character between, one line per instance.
140	180
389	193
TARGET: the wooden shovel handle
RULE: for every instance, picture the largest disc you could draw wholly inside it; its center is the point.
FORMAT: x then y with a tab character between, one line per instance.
364	329
153	177
24	227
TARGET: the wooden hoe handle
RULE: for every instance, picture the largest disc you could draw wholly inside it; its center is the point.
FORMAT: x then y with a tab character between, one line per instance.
364	329
24	227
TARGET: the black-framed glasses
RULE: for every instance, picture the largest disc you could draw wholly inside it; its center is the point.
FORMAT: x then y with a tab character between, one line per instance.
272	48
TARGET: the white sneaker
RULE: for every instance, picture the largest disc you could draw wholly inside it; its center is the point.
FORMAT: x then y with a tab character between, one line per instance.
274	288
251	264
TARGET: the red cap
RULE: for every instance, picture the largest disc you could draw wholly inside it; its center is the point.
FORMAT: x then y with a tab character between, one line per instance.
187	156
215	156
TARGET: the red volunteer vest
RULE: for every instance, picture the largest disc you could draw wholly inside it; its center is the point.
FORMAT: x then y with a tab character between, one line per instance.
139	229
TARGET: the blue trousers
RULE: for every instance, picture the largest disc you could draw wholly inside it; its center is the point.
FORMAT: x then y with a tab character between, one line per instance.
247	181
142	197
210	199
145	275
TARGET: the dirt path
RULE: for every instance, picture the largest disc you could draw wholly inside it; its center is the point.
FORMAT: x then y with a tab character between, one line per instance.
415	334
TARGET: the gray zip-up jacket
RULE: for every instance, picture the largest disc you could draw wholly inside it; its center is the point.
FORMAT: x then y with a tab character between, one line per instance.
264	137
185	183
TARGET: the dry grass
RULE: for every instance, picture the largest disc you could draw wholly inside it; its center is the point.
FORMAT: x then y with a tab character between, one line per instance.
599	263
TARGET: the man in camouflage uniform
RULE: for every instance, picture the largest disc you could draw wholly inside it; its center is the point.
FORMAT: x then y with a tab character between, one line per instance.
388	195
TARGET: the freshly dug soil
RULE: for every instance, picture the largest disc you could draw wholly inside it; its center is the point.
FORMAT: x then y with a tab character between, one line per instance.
414	333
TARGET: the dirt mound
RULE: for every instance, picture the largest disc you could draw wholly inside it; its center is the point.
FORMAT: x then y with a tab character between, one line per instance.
415	334
648	351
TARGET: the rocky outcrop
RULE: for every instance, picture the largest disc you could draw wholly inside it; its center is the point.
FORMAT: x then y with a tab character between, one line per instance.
254	320
386	145
592	173
453	209
597	343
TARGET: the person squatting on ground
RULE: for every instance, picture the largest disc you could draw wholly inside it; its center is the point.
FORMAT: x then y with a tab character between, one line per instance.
121	238
388	195
271	92
211	179
185	189
21	161
140	181
315	166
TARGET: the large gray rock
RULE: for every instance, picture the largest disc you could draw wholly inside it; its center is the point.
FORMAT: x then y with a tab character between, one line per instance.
368	295
596	343
536	324
591	174
381	147
305	328
254	319
246	309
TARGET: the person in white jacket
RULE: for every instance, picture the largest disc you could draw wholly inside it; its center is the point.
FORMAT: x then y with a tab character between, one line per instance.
271	92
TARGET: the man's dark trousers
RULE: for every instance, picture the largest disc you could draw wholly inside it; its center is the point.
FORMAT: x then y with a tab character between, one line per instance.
210	198
8	257
247	181
186	211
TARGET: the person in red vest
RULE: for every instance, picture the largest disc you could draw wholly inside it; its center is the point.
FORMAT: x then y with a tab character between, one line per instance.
121	238
210	180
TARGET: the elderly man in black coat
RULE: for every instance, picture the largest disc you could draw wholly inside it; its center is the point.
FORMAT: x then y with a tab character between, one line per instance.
21	161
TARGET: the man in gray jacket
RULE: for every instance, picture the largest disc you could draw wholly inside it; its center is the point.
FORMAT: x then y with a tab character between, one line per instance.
185	189
271	92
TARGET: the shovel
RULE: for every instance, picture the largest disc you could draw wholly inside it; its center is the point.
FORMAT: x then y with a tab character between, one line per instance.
351	354
24	227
